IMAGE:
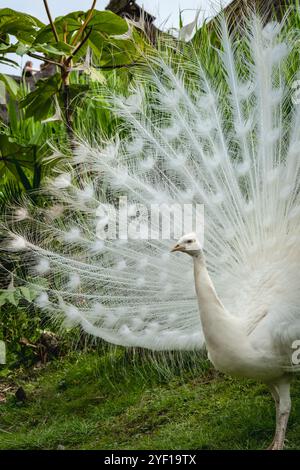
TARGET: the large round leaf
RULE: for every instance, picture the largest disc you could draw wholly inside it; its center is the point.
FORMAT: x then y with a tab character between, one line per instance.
107	22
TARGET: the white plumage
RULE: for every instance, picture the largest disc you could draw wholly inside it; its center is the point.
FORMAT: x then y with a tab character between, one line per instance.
254	337
238	154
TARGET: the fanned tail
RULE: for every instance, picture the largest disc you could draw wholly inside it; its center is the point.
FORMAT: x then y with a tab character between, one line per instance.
234	150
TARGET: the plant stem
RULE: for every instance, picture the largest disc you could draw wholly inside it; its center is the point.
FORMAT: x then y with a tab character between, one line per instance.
88	18
51	21
37	170
66	91
67	108
43	59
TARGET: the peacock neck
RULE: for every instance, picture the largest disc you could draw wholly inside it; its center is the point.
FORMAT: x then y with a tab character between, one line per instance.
214	317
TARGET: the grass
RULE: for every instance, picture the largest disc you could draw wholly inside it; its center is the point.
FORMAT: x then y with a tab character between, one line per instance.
89	401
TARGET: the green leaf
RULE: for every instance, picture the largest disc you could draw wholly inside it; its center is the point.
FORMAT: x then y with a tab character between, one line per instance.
22	176
96	41
10	84
67	24
15	157
13	117
22	48
20	29
108	22
4	38
21	25
104	22
12	298
39	101
2	299
2	93
118	52
28	294
5	48
39	108
7	13
5	372
60	49
35	139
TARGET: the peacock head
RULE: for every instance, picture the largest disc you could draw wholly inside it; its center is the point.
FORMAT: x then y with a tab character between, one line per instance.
188	244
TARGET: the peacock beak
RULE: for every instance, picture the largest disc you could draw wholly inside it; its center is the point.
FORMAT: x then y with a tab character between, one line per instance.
178	248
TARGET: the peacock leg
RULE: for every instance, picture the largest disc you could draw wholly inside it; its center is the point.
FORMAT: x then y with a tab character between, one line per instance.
276	400
284	407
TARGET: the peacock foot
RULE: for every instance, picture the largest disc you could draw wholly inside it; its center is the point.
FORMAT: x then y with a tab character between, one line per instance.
275	445
270	447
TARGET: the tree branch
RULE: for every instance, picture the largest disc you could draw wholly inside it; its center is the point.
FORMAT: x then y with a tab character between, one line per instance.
88	18
43	59
51	21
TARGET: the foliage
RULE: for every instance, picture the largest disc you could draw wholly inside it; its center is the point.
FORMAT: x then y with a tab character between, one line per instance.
38	102
64	43
23	327
23	148
10	84
20	325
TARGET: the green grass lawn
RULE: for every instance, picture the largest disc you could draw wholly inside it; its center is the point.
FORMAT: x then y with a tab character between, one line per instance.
92	401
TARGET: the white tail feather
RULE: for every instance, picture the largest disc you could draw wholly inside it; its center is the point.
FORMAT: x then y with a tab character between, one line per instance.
182	147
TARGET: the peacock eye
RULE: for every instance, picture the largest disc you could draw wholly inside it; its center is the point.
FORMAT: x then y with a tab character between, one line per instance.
189	241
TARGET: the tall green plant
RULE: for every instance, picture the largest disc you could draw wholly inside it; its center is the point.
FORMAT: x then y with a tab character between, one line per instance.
23	146
63	43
